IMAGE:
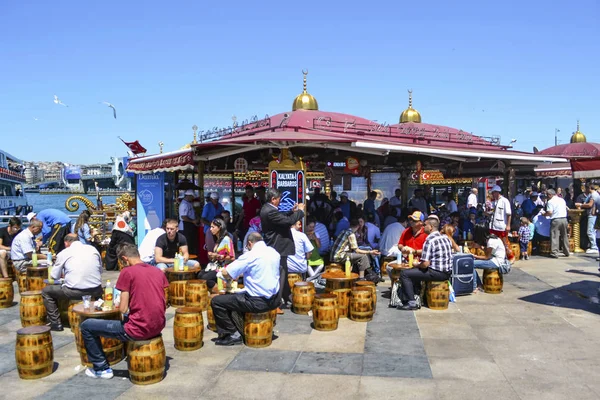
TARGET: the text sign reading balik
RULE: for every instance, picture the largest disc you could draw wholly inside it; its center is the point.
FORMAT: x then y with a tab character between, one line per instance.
291	186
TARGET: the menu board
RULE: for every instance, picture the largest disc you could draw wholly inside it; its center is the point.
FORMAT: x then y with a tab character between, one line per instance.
291	185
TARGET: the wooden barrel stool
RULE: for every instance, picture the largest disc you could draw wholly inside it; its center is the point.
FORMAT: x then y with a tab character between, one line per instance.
146	360
196	294
212	325
438	295
74	322
21	281
325	312
361	304
35	278
113	348
492	281
188	329
167	297
177	293
516	249
303	295
7	292
273	315
32	309
545	248
373	287
34	352
529	248
11	270
333	267
258	329
293	278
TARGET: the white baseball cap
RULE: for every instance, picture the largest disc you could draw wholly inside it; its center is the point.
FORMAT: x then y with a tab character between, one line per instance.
189	193
214	195
497	189
31	216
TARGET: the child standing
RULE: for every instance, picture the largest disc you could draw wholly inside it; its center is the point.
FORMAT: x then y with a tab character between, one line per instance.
524	237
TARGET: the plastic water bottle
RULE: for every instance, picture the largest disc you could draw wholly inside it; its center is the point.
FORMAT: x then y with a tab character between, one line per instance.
176	262
348	266
399	259
182	264
108	295
49	258
34	260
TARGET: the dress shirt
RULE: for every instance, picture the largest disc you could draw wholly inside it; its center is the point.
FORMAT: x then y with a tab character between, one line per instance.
82	266
22	244
558	207
186	209
260	267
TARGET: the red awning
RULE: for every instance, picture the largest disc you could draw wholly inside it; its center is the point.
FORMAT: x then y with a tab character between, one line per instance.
179	160
555	170
583	169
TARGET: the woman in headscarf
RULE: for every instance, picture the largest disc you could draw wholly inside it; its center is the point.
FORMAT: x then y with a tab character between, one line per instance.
121	233
253	227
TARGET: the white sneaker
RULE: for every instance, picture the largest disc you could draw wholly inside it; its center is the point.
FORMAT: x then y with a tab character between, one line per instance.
106	374
591	251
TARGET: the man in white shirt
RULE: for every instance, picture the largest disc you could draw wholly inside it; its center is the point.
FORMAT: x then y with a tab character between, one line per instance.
472	199
188	223
146	249
24	245
82	268
391	235
500	219
557	210
260	268
297	262
589	205
396	201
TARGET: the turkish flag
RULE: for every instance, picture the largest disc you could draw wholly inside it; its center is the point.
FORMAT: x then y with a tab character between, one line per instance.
135	147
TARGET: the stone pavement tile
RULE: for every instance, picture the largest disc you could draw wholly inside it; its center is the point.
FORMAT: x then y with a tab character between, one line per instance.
246	385
513	332
264	360
470	369
552	390
583	349
397	345
290	323
209	355
455	348
528	350
394	365
424	315
495	318
405	328
329	363
310	387
456	389
290	342
446	331
556	333
14	387
474	308
85	387
380	388
540	370
349	337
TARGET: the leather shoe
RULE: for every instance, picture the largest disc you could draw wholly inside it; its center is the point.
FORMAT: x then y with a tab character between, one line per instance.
279	311
56	327
407	307
229	341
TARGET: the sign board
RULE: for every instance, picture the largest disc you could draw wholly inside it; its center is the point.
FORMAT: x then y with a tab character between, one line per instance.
291	184
150	202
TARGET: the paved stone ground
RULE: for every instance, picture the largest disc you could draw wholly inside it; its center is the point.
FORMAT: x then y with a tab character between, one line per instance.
539	339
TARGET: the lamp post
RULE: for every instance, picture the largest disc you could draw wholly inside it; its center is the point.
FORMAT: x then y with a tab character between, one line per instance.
556	130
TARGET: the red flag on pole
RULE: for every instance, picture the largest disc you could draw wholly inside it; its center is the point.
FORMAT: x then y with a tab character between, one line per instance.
135	147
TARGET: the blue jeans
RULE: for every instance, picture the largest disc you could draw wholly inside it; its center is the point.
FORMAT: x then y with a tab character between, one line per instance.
91	330
591	232
374	258
190	264
483	264
524	247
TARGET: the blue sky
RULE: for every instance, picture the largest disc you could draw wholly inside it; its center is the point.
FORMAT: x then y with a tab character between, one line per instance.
514	69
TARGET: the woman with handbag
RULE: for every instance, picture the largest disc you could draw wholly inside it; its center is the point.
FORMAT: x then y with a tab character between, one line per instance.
222	254
495	254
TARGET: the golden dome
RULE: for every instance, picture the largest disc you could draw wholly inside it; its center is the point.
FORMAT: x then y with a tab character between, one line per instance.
578	137
305	101
410	114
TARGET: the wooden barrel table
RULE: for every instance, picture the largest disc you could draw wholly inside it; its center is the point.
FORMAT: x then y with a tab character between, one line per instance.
7	292
373	287
212	325
516	249
325	312
74	322
492	281
32	309
196	294
36	277
545	248
361	304
188	275
177	283
146	360
303	295
188	329
341	285
293	278
34	352
113	348
258	329
331	267
396	269
438	295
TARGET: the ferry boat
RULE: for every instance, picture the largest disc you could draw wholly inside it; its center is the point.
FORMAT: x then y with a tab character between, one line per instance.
12	178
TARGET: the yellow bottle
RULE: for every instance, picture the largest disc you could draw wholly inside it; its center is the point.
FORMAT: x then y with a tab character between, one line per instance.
185	266
411	258
108	295
220	284
34	260
50	279
348	266
176	262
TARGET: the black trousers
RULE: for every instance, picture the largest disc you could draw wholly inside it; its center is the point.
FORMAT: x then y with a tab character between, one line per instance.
209	276
285	291
411	280
190	231
51	294
229	310
56	243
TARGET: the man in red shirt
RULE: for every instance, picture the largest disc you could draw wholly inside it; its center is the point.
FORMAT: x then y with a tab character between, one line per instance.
250	209
412	239
142	309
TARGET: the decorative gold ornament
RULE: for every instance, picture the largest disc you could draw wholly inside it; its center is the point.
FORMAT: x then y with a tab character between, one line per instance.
578	136
410	114
305	101
160	145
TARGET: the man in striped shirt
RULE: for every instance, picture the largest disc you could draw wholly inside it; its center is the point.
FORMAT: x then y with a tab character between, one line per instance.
435	265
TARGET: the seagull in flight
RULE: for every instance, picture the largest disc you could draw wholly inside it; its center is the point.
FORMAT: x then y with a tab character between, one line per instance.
57	101
113	108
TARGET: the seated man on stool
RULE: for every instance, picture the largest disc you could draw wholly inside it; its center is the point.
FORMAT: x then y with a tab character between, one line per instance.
435	265
82	267
411	240
7	234
345	245
142	309
24	245
260	268
169	244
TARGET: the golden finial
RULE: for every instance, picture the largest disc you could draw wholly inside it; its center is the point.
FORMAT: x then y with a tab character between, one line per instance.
578	136
304	101
194	129
409	98
161	144
410	114
305	73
